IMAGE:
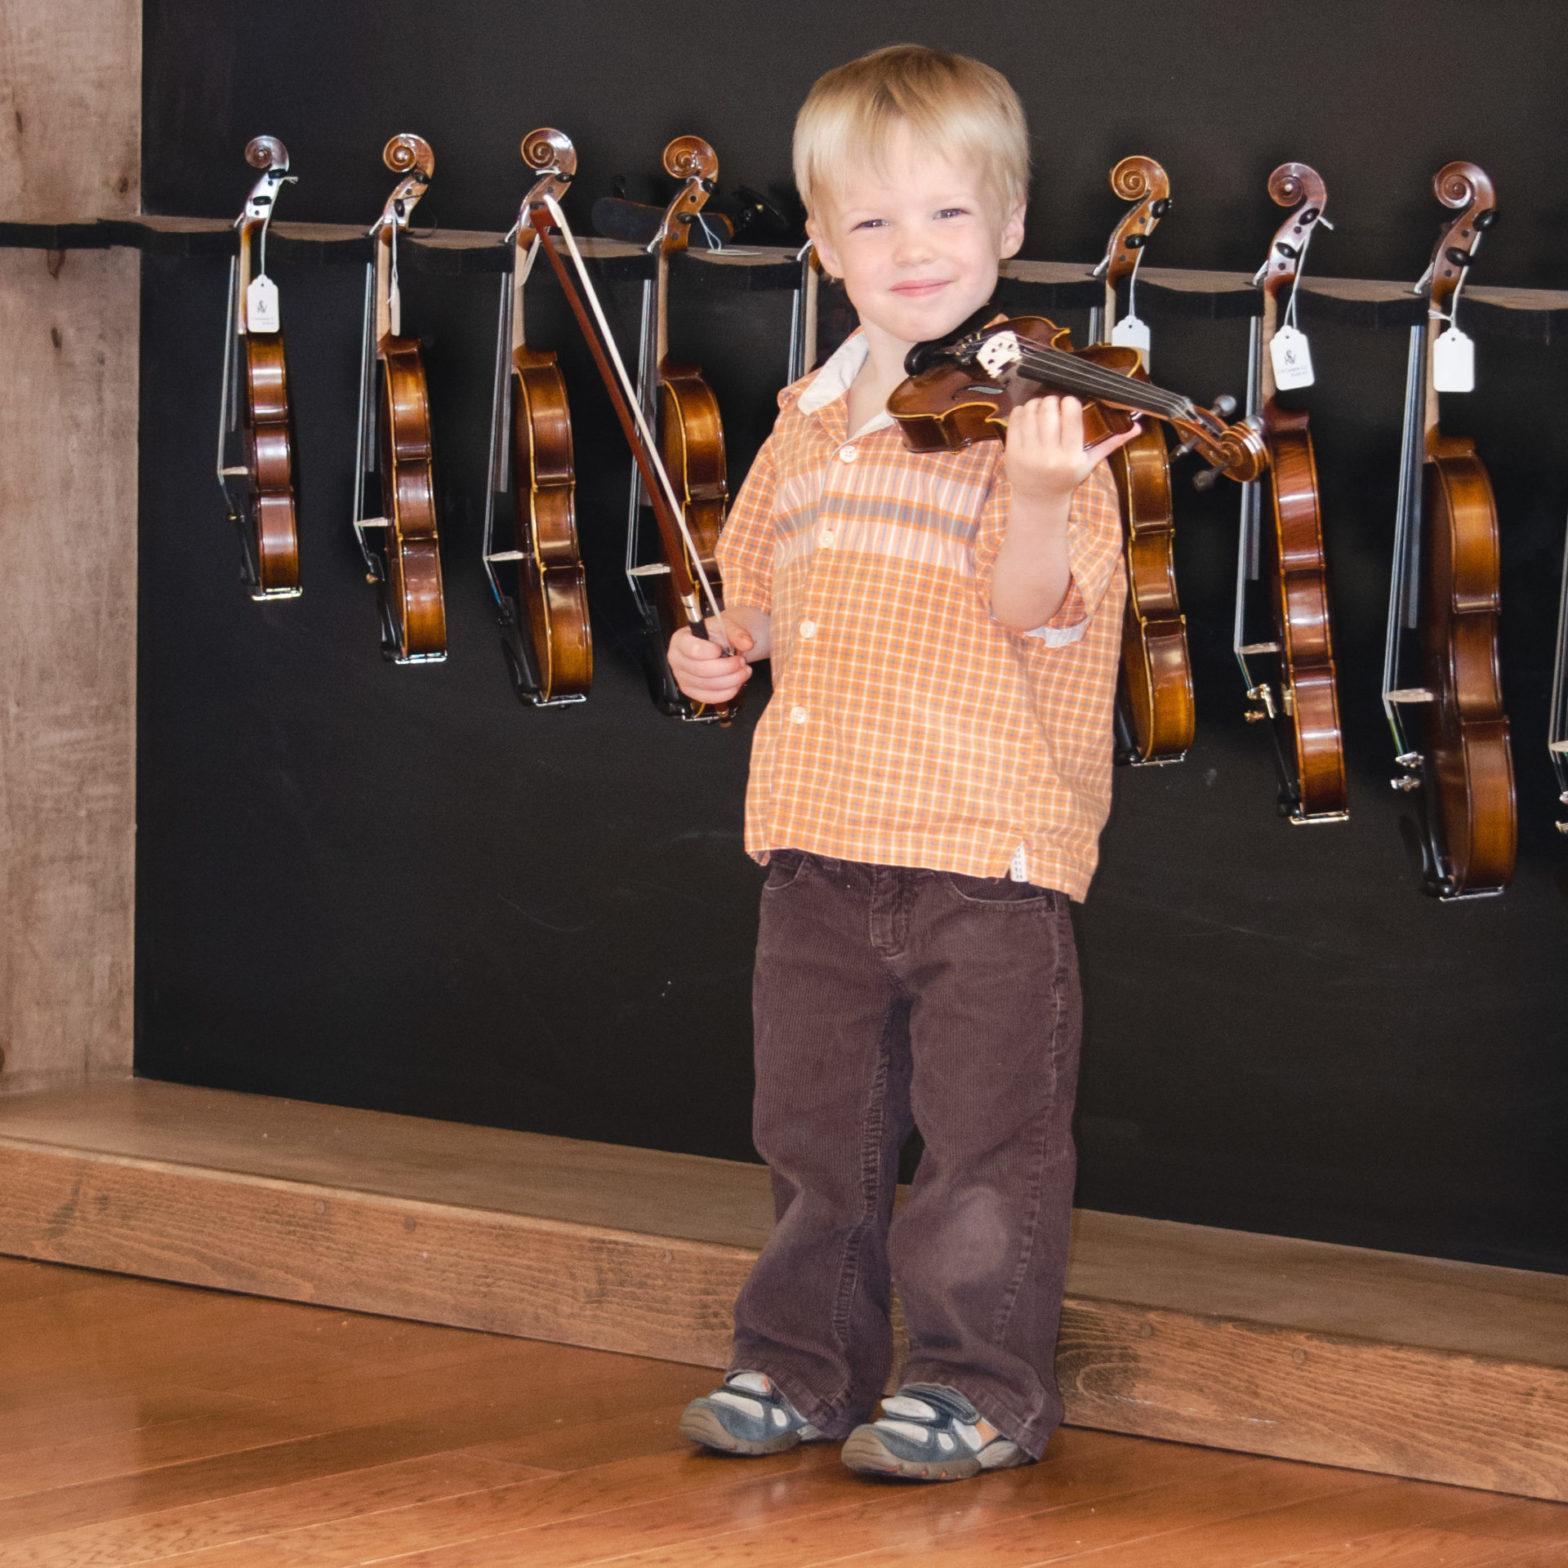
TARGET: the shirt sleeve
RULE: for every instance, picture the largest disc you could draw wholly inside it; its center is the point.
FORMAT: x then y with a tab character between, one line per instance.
1094	543
745	550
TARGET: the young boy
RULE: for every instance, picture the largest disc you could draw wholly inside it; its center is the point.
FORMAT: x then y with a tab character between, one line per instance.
927	789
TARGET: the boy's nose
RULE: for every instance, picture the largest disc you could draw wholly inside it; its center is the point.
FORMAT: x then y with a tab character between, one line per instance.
913	246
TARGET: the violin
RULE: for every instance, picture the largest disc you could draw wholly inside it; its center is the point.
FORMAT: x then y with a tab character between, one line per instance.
682	564
394	436
1154	710
1445	586
1301	705
545	632
962	391
690	431
259	487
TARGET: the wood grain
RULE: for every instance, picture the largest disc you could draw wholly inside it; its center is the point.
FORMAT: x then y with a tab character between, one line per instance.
500	1450
1416	1367
68	417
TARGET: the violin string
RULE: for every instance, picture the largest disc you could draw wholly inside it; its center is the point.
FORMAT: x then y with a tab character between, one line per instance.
1067	370
1072	370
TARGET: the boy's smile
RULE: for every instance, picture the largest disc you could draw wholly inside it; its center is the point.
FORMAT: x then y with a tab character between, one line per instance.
916	241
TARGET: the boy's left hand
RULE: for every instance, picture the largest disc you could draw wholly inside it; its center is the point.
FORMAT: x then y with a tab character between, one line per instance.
1046	458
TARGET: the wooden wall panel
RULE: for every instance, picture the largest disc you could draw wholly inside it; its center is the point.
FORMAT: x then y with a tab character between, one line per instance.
70	119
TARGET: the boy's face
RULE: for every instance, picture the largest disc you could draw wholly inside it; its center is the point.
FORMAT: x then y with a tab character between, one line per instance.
917	242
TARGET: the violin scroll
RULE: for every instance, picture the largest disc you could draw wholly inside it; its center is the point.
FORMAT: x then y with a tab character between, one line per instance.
1293	183
550	152
267	153
1467	188
406	153
690	157
1300	186
1141	180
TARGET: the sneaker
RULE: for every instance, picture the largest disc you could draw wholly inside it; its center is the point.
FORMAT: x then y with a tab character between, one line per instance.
747	1416
928	1432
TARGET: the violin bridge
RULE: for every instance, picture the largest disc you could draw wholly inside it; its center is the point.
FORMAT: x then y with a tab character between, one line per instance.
507	555
652	569
373	522
1410	694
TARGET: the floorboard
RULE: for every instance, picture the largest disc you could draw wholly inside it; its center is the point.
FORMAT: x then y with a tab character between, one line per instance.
151	1425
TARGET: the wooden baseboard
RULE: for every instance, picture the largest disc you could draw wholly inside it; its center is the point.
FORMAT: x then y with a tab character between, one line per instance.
1406	1366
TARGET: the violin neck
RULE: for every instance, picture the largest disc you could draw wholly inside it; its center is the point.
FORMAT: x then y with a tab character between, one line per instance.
661	313
389	313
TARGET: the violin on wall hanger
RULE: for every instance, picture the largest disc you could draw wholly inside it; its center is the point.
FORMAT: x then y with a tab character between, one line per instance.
258	479
1284	544
394	442
1154	709
1444	588
683	411
545	632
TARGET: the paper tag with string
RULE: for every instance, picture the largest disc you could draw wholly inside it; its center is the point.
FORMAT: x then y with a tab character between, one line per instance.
1453	362
1292	358
261	305
1130	332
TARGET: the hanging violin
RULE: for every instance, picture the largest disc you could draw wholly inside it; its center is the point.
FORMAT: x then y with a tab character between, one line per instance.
394	437
545	634
1300	704
690	584
1154	709
962	391
685	414
1445	587
258	487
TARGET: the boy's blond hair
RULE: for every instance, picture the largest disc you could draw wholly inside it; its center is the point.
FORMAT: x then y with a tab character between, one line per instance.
953	105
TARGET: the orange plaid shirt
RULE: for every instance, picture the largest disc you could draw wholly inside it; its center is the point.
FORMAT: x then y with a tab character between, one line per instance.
907	726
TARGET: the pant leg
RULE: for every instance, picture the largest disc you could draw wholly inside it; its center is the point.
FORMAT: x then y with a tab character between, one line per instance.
979	1250
830	1115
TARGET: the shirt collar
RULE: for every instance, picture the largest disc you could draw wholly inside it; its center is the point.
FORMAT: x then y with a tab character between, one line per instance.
833	381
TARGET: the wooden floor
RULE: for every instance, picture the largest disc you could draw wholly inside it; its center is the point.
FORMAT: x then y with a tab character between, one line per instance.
147	1423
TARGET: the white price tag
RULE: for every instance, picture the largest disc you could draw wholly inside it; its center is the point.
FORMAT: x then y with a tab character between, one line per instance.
1292	356
1130	332
1453	362
261	305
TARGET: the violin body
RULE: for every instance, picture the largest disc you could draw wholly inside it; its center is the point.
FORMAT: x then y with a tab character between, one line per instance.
1156	671
690	435
1469	762
553	591
269	457
1295	566
415	604
950	406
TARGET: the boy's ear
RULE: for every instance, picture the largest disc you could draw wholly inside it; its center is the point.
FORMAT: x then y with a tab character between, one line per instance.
826	255
1012	236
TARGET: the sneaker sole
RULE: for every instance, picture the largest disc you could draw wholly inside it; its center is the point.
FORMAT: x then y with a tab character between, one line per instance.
704	1427
866	1453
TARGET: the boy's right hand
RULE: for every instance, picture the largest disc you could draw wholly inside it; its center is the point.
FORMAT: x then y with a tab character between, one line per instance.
702	670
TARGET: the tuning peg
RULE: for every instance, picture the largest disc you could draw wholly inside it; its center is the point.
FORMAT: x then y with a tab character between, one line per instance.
1224	405
1205	479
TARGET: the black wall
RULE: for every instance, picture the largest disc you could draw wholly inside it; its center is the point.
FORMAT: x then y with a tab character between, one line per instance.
397	888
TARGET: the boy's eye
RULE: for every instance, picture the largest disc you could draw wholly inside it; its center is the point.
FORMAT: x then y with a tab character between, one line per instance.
871	223
953	212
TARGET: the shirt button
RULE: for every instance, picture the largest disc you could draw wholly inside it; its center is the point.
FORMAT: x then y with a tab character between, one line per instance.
826	536
808	628
848	454
797	715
